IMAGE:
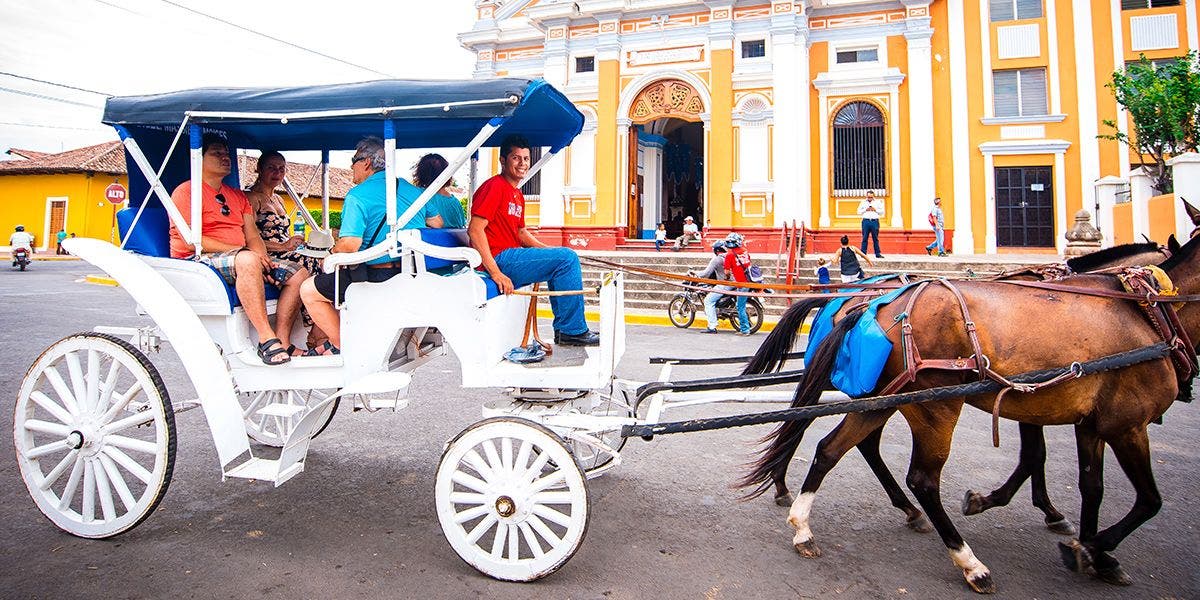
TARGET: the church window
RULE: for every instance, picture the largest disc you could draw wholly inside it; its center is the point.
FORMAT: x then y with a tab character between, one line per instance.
859	149
1136	4
585	64
1019	92
1011	10
754	49
860	55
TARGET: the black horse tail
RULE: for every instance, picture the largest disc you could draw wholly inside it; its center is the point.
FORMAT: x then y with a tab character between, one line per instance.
774	350
781	444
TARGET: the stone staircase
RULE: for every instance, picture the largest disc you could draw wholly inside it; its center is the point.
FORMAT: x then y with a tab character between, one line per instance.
647	296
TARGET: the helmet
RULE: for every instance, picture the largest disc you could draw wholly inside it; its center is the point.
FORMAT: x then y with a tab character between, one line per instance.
734	239
718	247
20	228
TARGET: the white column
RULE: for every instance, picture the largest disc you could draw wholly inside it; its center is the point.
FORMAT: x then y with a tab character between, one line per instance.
1118	45
895	199
989	205
964	237
920	120
823	135
553	174
1141	188
1085	77
791	168
1185	171
1060	204
1105	192
623	178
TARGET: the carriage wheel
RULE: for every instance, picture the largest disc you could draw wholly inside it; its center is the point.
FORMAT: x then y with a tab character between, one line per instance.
681	312
511	499
95	435
589	458
754	314
287	407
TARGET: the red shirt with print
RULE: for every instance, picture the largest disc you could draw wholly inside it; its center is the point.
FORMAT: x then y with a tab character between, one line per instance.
736	263
504	208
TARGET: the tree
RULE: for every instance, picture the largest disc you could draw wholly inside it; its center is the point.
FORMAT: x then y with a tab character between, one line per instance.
1163	102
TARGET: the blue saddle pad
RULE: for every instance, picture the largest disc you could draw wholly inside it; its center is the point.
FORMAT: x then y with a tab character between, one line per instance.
823	323
864	351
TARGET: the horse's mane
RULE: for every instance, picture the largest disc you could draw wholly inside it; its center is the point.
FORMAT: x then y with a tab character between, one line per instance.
1185	254
1101	258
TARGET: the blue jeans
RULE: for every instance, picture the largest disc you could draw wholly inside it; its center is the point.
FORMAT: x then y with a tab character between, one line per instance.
710	308
938	240
658	244
870	228
559	267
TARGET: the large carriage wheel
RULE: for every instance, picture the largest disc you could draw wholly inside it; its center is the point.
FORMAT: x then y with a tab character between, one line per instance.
95	435
511	499
272	426
681	311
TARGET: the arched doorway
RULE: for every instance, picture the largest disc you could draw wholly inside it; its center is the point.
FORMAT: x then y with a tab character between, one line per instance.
666	158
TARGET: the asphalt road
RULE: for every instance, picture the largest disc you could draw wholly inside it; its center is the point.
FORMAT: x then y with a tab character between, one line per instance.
360	522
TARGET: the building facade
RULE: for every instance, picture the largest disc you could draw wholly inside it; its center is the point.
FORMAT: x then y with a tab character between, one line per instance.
748	115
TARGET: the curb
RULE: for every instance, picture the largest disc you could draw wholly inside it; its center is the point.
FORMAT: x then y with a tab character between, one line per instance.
101	280
41	257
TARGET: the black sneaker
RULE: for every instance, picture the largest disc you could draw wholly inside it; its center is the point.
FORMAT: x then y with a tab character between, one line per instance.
587	338
878	256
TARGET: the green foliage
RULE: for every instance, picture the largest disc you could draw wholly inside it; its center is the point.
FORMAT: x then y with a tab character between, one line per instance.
1164	105
335	217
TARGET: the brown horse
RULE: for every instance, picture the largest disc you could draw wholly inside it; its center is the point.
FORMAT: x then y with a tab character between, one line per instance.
1112	408
1031	464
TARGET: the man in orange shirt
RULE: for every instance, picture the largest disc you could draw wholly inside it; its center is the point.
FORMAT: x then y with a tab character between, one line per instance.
232	245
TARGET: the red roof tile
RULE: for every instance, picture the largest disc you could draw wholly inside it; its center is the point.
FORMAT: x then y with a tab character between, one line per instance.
299	174
22	153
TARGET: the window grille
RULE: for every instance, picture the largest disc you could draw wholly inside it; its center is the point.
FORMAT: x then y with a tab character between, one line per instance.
585	64
1019	92
1136	4
754	49
533	187
858	56
1011	10
859	150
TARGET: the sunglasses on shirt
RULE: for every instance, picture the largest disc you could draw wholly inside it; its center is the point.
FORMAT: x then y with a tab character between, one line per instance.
224	206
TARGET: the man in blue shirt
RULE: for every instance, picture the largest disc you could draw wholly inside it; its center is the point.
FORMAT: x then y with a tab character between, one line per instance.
364	222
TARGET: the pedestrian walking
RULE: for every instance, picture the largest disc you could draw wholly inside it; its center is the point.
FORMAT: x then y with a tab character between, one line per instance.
59	237
871	211
938	220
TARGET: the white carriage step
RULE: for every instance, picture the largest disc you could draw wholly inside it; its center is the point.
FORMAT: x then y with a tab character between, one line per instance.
279	409
265	469
378	383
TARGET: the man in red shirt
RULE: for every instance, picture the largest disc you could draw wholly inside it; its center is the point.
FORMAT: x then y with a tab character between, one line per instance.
513	257
737	261
232	245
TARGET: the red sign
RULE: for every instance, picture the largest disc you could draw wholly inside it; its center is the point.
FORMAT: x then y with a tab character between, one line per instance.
115	193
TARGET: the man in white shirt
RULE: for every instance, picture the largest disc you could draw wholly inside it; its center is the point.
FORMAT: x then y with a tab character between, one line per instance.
871	211
690	233
21	239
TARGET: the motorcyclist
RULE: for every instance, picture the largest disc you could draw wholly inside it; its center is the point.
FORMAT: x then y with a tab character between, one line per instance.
20	239
714	270
733	243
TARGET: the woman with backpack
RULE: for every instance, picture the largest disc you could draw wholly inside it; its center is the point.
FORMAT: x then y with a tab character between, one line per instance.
737	266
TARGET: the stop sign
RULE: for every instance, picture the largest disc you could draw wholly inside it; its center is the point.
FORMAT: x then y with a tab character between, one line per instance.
115	193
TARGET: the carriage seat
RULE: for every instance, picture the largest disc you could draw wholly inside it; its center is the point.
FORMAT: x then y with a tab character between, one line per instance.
151	238
453	238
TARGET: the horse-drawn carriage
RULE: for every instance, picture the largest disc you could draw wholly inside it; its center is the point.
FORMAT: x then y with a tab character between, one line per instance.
94	427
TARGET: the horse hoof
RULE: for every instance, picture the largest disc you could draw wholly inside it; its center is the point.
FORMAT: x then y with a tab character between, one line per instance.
982	584
1061	527
785	500
1075	556
1114	576
808	549
972	503
919	524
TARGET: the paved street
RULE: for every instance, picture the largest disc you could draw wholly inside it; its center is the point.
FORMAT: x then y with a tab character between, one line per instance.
360	522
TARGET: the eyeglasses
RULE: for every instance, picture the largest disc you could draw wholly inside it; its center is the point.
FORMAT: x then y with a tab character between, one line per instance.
358	158
224	206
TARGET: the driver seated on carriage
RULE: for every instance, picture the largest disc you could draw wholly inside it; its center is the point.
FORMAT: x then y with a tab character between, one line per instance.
235	249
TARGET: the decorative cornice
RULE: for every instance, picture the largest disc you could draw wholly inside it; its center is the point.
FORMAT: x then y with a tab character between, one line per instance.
1025	147
1033	119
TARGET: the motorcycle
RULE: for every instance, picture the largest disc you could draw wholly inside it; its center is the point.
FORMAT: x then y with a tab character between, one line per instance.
683	307
20	258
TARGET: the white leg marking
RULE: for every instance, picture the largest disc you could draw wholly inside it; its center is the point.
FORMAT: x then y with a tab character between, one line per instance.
798	517
965	559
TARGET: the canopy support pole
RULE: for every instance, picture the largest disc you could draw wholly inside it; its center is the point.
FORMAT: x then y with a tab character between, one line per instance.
473	178
537	166
389	153
325	190
156	187
440	181
196	153
144	166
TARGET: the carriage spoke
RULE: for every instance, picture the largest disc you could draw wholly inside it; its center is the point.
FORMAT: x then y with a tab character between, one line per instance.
536	468
41	451
254	404
77	382
105	493
47	427
68	492
55	409
133	420
522	462
506	454
468	481
514	543
93	380
129	464
493	459
57	471
498	540
60	386
476	462
550	480
118	482
550	514
89	491
472	513
543	530
467	498
553	497
110	383
531	540
481	528
122	401
132	444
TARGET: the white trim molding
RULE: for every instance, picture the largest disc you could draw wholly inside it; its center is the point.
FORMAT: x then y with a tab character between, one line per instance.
1023	120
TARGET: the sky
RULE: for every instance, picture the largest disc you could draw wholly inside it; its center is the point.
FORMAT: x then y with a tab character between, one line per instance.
128	47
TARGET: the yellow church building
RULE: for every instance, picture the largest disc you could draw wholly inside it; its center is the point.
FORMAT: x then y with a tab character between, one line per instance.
747	115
